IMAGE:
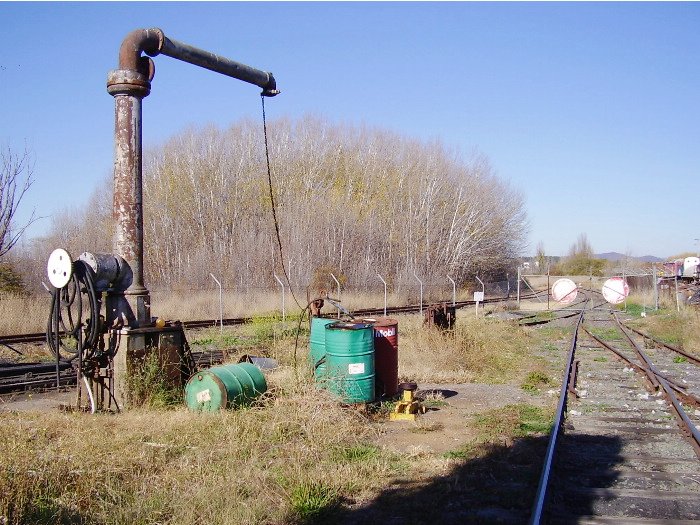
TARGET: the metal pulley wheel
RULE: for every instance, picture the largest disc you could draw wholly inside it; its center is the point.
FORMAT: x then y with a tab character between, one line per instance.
74	316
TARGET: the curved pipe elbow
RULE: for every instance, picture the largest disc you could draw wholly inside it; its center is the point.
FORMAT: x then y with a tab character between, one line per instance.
149	41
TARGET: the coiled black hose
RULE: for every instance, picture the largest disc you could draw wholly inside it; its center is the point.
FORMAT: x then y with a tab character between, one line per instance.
71	304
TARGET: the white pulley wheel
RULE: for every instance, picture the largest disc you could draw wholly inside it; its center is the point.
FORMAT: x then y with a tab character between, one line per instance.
59	268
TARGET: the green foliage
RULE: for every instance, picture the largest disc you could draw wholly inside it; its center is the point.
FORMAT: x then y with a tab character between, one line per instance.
550	347
148	384
580	265
356	453
535	381
606	334
268	328
634	309
459	454
680	359
600	359
10	280
312	500
580	260
519	420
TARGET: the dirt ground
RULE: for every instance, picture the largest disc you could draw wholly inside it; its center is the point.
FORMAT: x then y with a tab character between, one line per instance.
445	427
36	401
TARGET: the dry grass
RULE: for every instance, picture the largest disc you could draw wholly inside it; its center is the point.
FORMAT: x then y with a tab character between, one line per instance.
295	455
293	458
676	328
27	314
479	350
23	314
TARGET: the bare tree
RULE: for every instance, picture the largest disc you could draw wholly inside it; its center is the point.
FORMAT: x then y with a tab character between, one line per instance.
540	257
16	173
351	200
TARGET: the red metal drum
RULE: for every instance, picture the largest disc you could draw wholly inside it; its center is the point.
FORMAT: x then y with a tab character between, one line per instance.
386	356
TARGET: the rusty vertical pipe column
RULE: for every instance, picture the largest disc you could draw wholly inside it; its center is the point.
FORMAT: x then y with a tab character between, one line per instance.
129	85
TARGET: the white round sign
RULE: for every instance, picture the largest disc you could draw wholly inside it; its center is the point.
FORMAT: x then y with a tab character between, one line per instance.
564	291
59	268
615	290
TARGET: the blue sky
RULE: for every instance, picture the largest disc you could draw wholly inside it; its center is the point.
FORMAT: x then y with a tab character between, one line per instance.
591	110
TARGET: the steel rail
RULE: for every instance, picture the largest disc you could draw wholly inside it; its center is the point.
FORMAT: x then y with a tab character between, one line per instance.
686	426
29	376
542	489
642	370
684	423
691	357
206	323
643	355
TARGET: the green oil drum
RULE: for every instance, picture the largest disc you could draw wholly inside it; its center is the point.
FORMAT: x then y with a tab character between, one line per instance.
317	345
350	361
225	386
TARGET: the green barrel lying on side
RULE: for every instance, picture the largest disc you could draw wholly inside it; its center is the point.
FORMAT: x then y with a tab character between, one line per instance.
225	386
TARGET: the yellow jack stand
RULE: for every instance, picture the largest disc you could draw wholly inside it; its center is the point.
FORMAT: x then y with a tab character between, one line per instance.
407	408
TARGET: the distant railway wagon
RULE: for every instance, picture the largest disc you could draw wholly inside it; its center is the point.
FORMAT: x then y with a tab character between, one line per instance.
690	267
682	268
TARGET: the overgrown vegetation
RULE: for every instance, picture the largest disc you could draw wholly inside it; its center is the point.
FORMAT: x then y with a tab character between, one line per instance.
10	280
676	328
478	350
606	334
148	384
290	459
504	424
296	456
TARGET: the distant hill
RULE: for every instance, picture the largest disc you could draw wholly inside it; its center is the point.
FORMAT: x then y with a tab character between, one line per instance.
614	256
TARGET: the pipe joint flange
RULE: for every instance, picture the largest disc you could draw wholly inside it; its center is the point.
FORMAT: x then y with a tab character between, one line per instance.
128	82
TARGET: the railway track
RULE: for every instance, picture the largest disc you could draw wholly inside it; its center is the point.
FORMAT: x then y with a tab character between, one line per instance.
40	337
625	446
27	376
42	376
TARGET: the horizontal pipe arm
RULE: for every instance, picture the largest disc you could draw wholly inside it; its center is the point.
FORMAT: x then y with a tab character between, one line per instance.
219	64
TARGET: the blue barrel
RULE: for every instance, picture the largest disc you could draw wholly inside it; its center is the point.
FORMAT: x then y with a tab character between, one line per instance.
317	345
350	361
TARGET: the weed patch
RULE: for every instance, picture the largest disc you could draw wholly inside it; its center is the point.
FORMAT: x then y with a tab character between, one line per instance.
606	334
513	421
313	500
148	384
535	382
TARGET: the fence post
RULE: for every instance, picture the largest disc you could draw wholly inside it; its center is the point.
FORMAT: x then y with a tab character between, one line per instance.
518	287
338	285
421	291
678	304
221	304
548	287
656	287
483	295
454	290
284	313
382	279
624	281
